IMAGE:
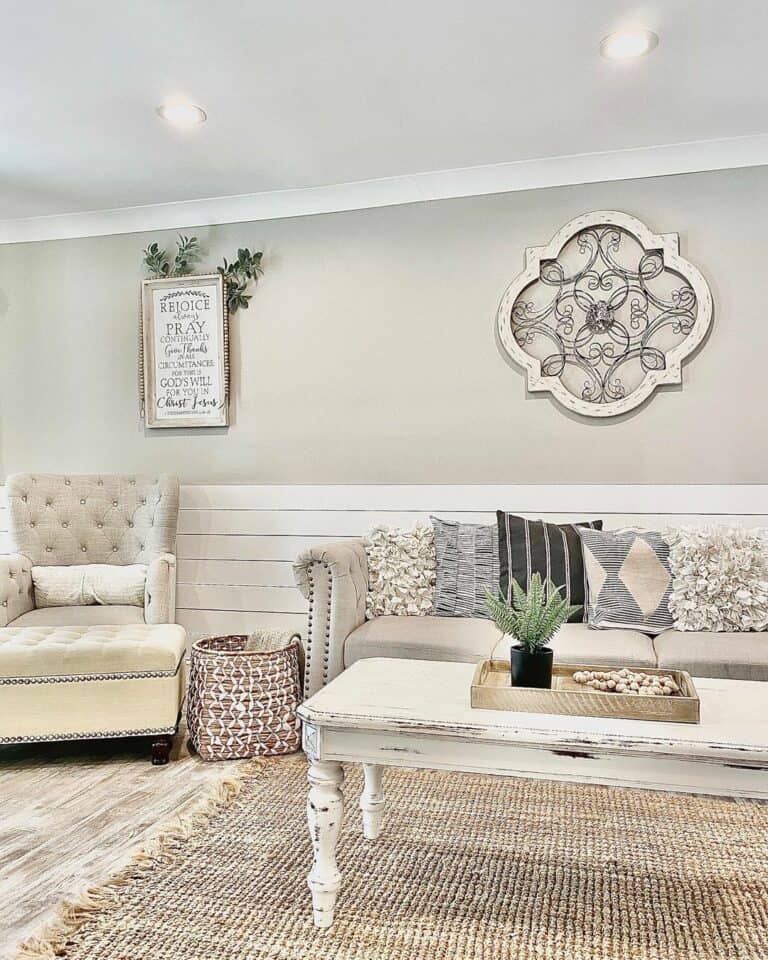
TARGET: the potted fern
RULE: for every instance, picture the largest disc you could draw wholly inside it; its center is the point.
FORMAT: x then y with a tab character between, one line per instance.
532	619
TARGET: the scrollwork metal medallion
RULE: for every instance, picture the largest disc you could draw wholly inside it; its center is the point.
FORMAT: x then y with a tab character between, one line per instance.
604	314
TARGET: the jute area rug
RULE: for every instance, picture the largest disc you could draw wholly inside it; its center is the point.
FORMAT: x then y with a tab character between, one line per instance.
468	867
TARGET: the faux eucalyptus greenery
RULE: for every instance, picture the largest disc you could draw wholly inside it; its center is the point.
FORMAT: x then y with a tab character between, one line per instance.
244	270
159	264
238	274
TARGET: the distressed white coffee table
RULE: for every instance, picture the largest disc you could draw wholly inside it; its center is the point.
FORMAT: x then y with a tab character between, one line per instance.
415	713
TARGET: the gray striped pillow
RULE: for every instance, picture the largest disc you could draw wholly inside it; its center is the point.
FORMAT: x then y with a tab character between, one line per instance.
467	566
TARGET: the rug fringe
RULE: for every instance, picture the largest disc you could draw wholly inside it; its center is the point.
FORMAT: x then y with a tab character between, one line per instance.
56	939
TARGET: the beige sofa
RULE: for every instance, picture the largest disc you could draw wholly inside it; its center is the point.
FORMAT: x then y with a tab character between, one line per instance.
334	578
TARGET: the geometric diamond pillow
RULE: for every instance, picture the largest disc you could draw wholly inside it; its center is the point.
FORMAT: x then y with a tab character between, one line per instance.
629	580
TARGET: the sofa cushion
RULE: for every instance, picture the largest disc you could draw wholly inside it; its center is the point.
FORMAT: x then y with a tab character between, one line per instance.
463	639
729	656
79	616
578	643
75	651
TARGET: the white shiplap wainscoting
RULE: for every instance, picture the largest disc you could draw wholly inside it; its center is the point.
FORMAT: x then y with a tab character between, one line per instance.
237	542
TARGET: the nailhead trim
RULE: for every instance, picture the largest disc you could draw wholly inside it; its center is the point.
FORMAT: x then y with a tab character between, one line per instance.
104	735
310	615
85	677
327	638
311	620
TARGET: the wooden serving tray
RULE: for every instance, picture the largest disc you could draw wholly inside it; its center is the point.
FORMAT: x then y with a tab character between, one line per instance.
492	690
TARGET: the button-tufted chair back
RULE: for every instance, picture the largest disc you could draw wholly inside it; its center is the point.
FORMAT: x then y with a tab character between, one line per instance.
63	520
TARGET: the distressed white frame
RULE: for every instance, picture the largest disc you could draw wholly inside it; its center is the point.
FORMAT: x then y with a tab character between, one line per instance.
669	244
147	358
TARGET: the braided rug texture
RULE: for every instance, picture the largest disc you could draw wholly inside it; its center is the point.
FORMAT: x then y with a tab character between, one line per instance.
467	868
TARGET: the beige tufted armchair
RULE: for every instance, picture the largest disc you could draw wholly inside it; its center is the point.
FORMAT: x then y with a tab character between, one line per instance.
67	520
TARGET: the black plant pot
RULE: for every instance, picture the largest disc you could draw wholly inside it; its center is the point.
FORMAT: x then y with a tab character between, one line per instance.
531	669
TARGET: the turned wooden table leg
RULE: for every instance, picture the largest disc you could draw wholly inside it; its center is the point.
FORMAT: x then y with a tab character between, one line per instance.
372	801
325	810
161	749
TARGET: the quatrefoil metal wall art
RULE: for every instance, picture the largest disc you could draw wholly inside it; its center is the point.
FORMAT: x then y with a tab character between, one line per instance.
604	314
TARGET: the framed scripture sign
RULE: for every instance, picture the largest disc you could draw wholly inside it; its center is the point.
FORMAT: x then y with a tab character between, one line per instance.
184	352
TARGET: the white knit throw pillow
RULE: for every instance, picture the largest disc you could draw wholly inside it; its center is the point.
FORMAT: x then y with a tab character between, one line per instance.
401	571
719	578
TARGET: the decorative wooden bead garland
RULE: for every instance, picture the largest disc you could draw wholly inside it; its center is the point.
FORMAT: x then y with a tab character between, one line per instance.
628	681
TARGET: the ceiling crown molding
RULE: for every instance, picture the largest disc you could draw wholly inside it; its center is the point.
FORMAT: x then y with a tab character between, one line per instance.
691	157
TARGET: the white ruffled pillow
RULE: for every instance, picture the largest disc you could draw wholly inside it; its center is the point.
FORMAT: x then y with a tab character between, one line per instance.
401	571
719	578
89	583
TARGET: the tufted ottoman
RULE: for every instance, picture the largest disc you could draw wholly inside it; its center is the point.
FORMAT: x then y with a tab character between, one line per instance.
72	683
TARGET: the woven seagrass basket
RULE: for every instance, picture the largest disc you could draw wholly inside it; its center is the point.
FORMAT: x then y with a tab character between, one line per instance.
242	703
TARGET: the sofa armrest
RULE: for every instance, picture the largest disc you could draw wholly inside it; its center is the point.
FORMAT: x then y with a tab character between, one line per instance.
17	594
334	578
160	591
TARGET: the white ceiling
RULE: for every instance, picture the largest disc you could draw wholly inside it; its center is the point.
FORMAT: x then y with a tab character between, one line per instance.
302	93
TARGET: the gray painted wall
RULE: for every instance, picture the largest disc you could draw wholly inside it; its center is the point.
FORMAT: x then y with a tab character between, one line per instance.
368	352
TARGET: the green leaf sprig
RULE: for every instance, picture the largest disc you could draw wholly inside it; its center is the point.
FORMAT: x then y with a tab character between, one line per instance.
158	262
244	270
238	275
187	256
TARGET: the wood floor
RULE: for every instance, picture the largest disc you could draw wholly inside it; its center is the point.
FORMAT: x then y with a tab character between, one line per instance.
71	814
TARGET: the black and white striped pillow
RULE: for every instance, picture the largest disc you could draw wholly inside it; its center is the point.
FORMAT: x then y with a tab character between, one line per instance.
551	549
467	566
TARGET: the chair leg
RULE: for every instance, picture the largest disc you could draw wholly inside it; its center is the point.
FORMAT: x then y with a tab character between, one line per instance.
161	749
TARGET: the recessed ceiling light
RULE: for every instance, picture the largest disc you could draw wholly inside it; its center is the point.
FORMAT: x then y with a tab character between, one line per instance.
628	44
182	113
